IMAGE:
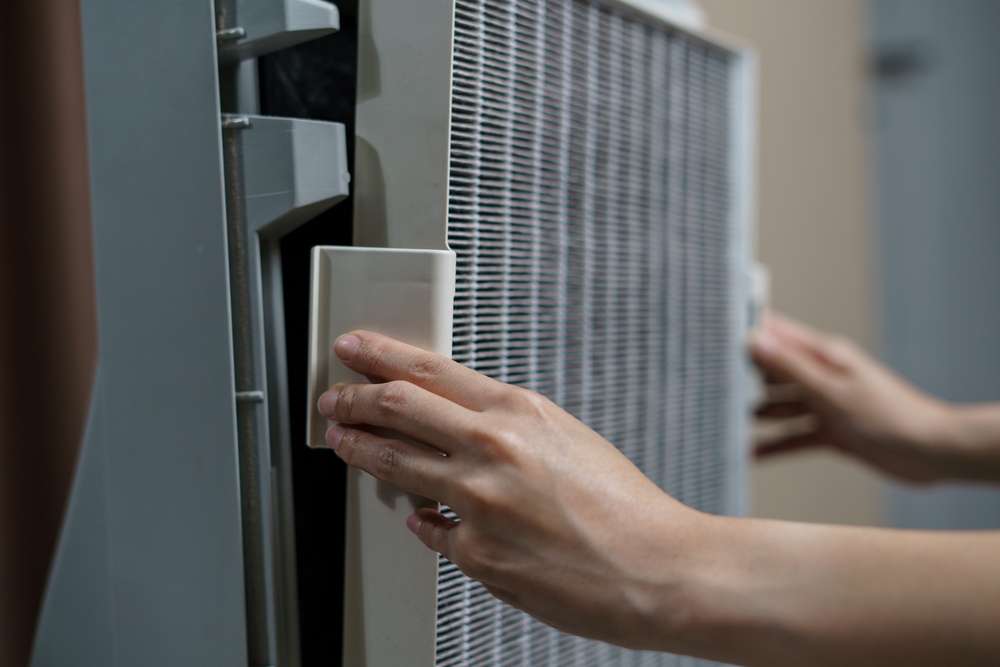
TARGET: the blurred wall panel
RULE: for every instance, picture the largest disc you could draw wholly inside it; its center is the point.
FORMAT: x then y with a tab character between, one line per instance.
47	335
937	141
813	229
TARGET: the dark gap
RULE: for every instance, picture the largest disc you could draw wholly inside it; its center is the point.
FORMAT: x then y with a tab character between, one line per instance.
317	81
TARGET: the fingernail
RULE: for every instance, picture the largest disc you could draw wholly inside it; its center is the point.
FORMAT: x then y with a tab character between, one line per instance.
333	435
347	346
413	523
327	403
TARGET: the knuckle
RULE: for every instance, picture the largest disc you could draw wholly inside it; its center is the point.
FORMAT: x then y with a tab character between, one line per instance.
427	368
499	442
387	462
393	397
348	447
346	404
840	349
533	403
372	354
485	436
479	497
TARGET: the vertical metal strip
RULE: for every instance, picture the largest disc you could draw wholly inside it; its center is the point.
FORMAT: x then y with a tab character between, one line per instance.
247	378
247	398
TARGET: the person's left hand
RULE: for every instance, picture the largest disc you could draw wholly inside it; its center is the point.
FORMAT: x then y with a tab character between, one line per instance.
554	519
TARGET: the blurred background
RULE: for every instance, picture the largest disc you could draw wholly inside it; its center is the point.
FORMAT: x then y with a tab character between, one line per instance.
879	216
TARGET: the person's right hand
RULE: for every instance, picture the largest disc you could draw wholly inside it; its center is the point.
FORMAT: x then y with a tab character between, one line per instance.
848	401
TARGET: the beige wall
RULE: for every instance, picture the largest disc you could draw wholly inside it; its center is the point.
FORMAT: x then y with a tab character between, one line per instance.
813	233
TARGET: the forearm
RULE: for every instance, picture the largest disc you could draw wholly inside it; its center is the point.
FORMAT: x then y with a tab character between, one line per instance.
775	593
967	442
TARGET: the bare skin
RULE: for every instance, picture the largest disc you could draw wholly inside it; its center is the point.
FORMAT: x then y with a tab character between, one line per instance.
860	408
555	521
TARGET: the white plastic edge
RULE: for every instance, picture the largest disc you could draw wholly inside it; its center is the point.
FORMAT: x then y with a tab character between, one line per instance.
682	13
742	168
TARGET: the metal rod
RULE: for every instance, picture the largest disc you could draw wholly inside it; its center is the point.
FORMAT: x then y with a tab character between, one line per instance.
247	377
246	380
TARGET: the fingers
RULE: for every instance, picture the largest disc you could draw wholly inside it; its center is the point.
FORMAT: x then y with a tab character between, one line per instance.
783	400
447	537
434	530
834	351
792	363
402	407
784	392
794	332
405	465
795	443
376	355
782	410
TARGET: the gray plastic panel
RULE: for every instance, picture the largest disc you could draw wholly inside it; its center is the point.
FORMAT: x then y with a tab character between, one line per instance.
151	556
293	169
270	25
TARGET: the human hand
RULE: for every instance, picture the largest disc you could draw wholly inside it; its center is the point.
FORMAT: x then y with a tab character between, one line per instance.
554	519
849	402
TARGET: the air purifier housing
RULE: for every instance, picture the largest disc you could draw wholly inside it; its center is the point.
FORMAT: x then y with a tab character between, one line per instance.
562	186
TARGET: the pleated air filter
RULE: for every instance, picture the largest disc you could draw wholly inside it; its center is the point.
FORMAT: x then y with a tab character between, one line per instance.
586	161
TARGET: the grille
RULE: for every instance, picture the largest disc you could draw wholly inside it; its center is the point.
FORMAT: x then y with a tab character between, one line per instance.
589	209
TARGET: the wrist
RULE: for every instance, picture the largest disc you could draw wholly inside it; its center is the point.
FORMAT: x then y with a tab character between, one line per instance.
658	578
966	442
706	600
733	595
